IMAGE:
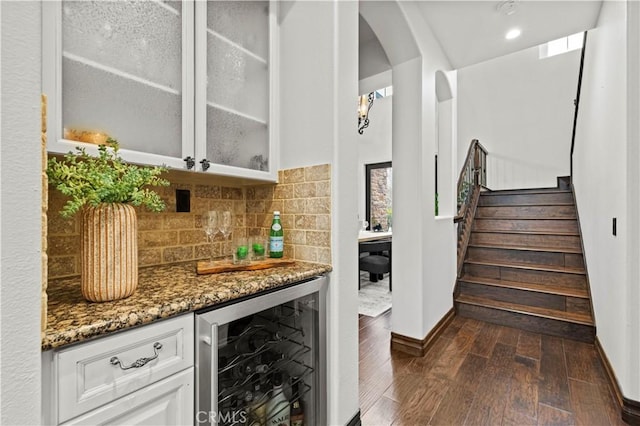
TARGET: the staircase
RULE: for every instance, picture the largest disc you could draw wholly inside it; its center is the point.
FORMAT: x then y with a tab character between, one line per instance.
524	265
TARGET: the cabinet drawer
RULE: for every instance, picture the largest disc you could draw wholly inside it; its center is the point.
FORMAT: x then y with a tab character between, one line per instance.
89	376
166	403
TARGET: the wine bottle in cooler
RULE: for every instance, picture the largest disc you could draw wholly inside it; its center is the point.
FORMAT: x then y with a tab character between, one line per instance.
278	409
276	237
297	406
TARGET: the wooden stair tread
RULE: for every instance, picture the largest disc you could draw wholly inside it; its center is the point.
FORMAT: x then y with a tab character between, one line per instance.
529	266
573	317
527	191
539	288
515	231
528	248
526	218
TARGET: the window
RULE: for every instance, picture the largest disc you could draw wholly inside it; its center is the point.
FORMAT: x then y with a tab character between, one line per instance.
561	45
381	93
379	185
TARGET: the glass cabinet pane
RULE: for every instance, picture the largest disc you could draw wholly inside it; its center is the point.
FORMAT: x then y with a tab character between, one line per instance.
122	72
238	84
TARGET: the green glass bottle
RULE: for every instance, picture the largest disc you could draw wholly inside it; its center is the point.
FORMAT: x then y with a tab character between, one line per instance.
276	237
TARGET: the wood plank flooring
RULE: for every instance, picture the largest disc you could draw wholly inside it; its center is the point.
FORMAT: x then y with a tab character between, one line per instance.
479	373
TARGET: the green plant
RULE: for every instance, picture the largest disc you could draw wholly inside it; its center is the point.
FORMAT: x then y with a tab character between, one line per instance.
92	180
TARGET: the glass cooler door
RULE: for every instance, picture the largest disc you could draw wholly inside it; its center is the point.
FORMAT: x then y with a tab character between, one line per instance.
266	366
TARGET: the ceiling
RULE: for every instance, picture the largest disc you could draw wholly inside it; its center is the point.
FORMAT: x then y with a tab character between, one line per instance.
474	31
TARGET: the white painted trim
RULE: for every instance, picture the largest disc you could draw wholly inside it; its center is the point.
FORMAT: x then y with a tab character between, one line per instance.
200	96
188	81
274	90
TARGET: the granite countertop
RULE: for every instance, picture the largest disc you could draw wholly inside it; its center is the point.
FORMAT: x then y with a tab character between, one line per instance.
163	291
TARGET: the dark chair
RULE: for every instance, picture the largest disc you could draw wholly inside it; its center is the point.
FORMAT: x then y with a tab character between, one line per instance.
375	258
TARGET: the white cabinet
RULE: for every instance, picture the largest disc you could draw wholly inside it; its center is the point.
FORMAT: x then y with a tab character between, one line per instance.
139	376
169	79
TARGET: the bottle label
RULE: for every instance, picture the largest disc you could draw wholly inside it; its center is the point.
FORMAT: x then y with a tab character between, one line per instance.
276	227
297	422
276	244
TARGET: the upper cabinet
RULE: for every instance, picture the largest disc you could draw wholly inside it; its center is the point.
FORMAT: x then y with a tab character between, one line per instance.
181	83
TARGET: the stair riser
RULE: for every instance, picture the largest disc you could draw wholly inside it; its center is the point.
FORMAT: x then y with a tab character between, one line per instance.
525	199
531	323
513	295
527	211
525	256
527	240
576	281
542	225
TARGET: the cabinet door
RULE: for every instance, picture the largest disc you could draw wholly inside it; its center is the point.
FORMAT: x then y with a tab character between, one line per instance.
235	80
121	68
168	402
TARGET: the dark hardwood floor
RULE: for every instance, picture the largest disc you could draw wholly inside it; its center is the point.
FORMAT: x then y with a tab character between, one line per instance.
479	373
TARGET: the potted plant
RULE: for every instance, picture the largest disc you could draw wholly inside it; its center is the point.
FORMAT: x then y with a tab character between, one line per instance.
104	188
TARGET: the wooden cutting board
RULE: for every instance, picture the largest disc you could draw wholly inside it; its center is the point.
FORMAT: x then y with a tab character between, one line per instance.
219	266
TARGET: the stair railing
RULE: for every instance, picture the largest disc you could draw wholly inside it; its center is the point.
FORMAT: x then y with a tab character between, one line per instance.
473	177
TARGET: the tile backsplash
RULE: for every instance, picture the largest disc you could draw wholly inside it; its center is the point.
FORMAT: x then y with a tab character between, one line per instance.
303	197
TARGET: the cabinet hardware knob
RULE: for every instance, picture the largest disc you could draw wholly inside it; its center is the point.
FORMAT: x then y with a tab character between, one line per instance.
191	162
205	164
141	362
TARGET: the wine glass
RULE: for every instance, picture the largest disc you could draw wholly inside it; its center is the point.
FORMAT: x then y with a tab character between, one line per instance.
225	223
211	228
365	225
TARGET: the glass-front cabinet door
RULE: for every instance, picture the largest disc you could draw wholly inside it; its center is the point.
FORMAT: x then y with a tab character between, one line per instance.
234	79
170	80
120	69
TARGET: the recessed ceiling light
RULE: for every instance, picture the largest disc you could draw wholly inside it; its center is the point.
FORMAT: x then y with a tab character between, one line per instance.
513	33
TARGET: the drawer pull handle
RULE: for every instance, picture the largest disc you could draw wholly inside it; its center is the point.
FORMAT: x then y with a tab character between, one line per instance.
139	362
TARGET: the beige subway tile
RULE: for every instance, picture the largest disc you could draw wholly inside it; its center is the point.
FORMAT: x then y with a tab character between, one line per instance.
239	220
177	254
289	252
261	192
304	190
179	221
315	173
62	266
192	236
150	221
283	191
200	205
63	245
280	176
232	193
323	222
287	221
318	205
203	251
323	189
240	207
257	232
306	253
319	238
256	206
148	239
295	237
152	256
57	225
293	206
305	221
324	255
208	191
293	175
275	206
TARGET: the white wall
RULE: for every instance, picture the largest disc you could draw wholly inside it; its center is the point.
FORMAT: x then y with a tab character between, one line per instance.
20	205
373	60
521	109
319	45
374	145
606	185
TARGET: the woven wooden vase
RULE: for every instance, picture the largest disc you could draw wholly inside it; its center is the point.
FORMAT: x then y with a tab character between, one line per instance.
109	252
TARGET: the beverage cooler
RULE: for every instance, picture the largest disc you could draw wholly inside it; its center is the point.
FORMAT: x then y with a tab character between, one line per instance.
262	361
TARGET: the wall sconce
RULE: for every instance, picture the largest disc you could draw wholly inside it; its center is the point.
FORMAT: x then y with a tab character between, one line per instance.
363	111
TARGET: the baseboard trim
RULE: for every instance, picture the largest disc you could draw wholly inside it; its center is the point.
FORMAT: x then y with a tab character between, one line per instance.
355	420
629	409
419	347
